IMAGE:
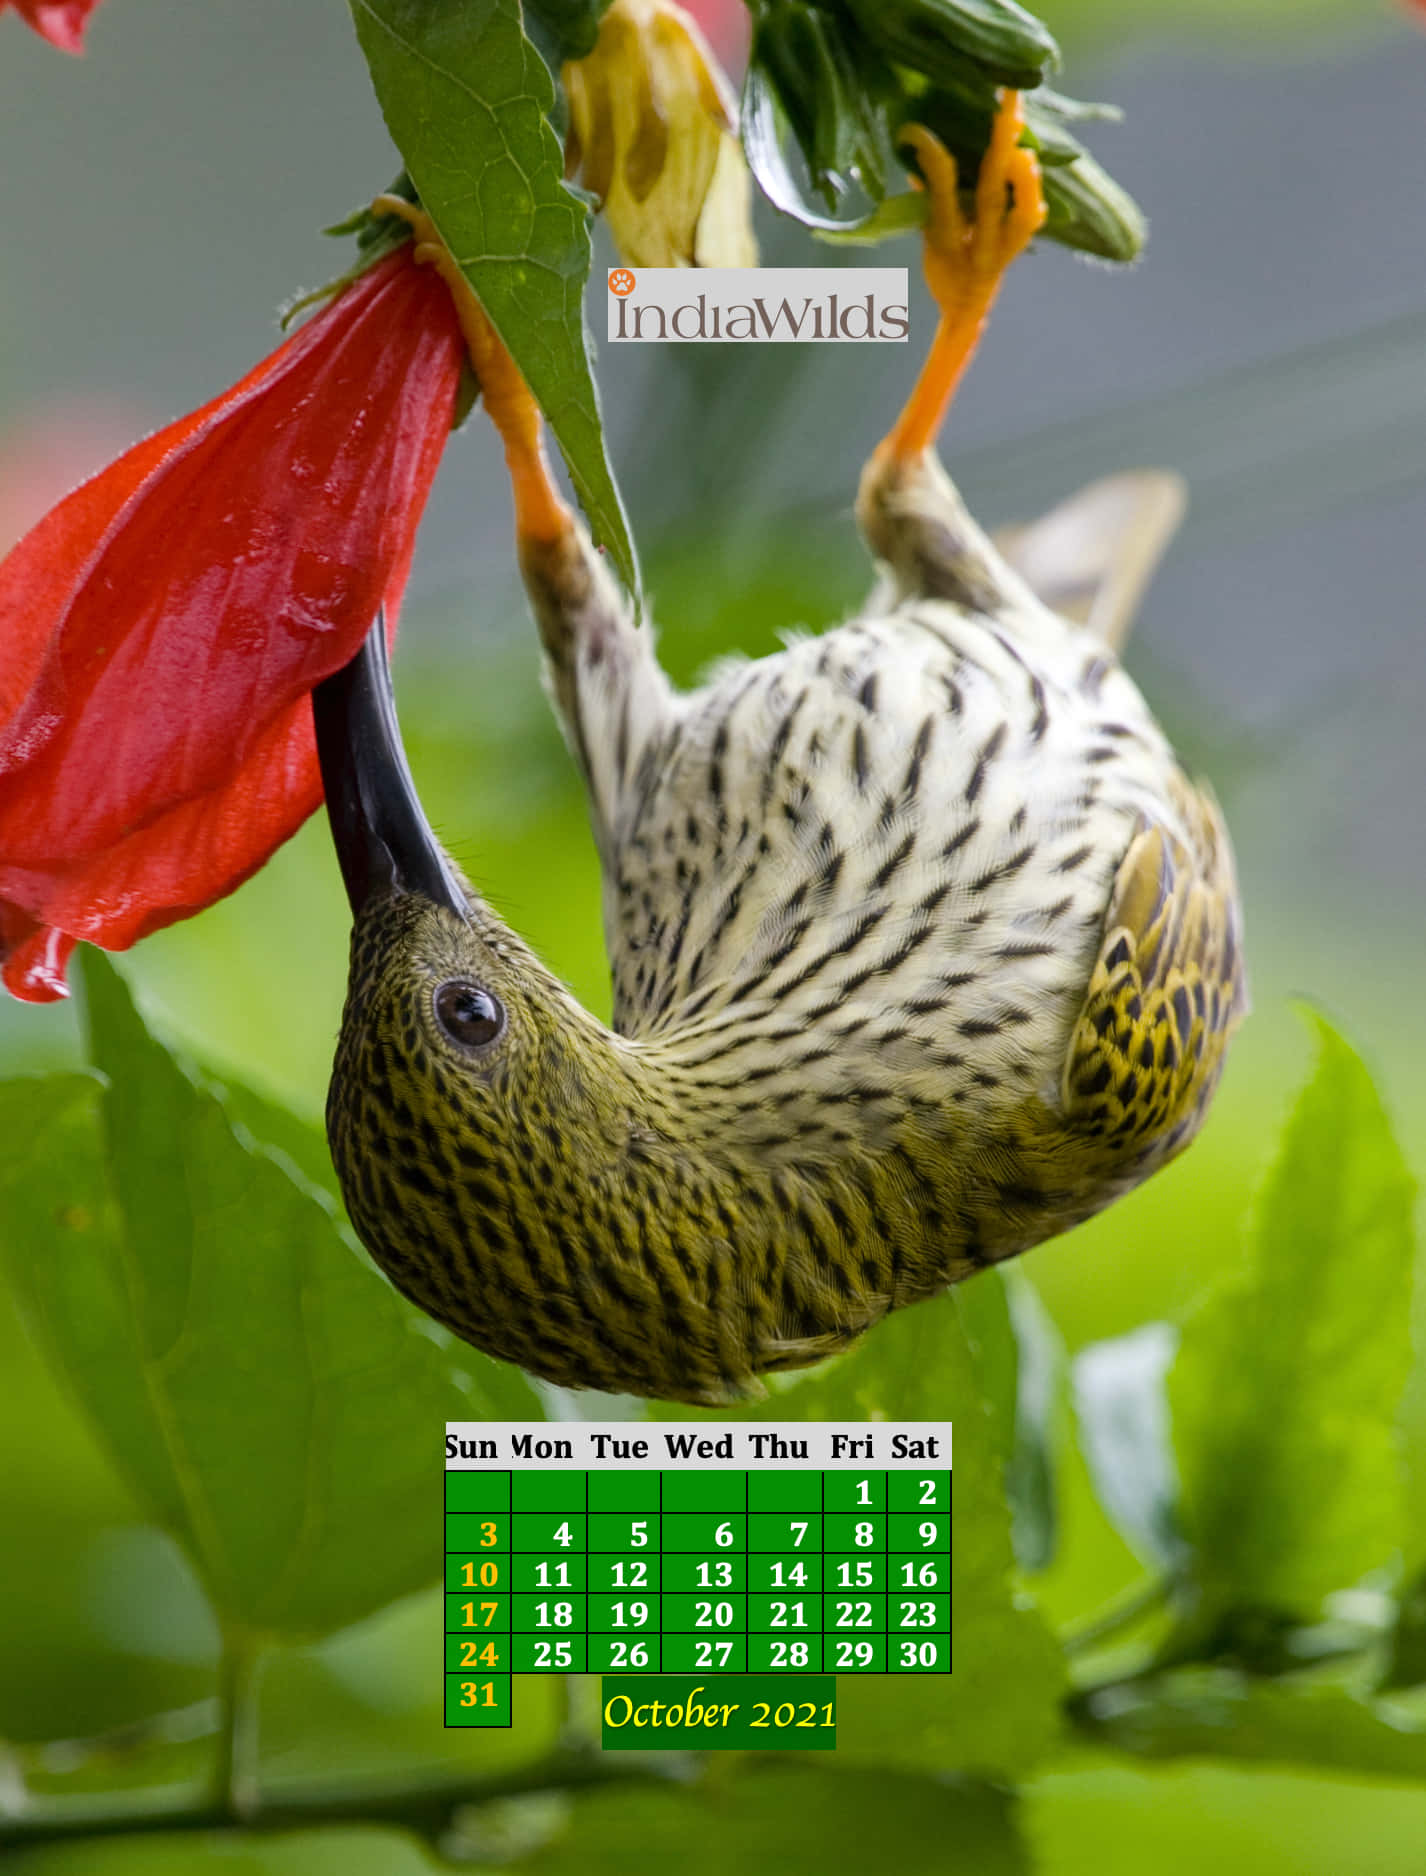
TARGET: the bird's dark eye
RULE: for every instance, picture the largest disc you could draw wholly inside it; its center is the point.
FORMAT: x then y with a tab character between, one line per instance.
469	1015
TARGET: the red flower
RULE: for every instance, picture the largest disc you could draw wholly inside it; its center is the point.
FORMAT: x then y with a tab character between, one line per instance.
160	630
62	22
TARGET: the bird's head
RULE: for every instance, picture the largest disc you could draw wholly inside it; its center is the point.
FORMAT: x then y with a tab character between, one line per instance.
445	1002
483	1124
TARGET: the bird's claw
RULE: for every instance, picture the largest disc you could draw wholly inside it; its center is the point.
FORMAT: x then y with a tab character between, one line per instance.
965	256
540	511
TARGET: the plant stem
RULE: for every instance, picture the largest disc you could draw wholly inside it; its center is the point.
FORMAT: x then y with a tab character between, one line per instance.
176	1726
236	1788
1124	1614
424	1807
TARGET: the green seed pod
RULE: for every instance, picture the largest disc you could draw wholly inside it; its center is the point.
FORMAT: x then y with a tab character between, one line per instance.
1089	211
940	38
822	88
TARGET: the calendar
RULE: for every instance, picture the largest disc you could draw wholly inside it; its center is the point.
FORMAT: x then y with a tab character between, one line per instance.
657	1550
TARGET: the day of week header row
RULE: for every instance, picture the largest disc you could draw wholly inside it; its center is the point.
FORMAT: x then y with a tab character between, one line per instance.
653	1446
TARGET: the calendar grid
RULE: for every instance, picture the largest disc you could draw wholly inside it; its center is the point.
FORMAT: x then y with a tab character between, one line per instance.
693	1569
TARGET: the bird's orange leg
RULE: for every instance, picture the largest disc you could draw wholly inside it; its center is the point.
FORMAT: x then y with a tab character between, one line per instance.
965	260
541	513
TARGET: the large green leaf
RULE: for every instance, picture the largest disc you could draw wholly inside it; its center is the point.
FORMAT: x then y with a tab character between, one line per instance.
998	1711
1118	1389
795	1819
467	98
1020	1361
1214	1713
271	1400
1407	1666
1285	1393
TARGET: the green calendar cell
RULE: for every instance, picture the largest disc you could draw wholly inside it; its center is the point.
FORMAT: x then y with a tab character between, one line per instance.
925	1570
785	1533
623	1614
769	1652
709	1532
788	1613
712	1613
563	1493
919	1491
616	1530
477	1654
478	1530
618	1654
478	1700
784	1572
478	1493
785	1494
705	1654
630	1494
533	1572
742	1549
551	1533
854	1533
854	1492
855	1614
467	1572
475	1614
919	1531
643	1571
545	1653
920	1612
719	1492
695	1575
551	1613
866	1570
855	1654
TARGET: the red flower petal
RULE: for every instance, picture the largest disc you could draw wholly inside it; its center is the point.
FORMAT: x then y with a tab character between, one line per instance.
161	629
62	22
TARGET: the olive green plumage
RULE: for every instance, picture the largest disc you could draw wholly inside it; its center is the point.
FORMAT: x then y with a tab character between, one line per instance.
924	949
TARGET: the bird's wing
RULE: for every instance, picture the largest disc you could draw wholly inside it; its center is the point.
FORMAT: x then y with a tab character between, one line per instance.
1167	990
1091	558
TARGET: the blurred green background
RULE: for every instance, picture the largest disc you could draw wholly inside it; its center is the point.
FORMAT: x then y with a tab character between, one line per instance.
164	196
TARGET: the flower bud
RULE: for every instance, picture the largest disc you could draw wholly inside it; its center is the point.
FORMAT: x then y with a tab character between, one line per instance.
651	136
939	37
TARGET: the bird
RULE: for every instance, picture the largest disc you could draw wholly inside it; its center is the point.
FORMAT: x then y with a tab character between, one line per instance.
924	947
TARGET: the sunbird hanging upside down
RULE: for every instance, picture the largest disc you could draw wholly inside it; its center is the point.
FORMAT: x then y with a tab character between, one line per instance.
924	947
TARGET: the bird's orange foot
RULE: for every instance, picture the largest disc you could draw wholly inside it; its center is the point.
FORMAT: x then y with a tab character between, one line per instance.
965	259
541	513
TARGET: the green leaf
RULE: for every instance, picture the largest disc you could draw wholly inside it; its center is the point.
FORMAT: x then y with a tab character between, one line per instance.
940	37
897	215
467	100
1285	1392
1202	1713
269	1398
1406	1653
1020	1361
797	1820
573	25
1406	1663
1122	1412
1407	1666
998	1712
841	79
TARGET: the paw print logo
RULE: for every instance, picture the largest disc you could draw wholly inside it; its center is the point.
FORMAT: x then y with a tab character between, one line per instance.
621	282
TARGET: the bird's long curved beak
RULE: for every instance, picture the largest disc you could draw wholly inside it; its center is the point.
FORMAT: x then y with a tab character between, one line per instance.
383	840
